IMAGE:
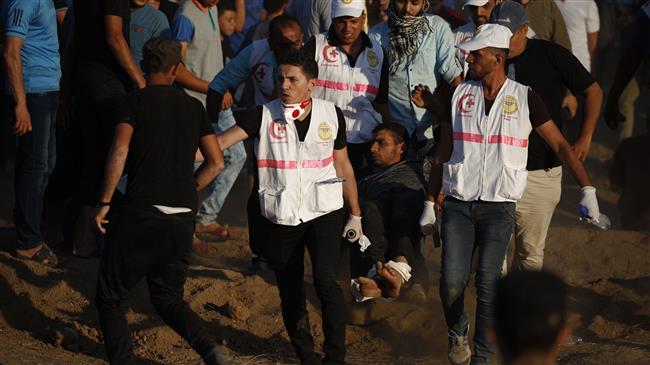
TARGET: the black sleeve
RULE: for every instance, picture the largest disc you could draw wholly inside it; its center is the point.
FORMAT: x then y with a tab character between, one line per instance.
574	75
537	111
251	121
382	95
341	140
310	47
60	4
206	126
125	111
121	8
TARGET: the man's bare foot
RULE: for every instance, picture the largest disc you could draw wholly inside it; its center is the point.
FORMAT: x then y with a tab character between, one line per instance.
369	287
392	281
213	229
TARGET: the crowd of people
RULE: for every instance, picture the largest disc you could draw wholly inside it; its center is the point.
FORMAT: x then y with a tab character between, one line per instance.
144	113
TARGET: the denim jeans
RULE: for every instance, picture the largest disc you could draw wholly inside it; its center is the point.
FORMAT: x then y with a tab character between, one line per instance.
35	159
466	226
215	194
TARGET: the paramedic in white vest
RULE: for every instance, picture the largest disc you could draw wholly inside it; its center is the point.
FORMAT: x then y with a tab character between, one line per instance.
486	147
304	177
353	75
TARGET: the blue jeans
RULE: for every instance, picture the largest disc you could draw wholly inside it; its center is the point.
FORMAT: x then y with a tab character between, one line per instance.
234	159
466	226
35	159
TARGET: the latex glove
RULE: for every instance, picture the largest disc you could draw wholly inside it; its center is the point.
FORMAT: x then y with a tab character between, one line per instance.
589	204
428	217
352	230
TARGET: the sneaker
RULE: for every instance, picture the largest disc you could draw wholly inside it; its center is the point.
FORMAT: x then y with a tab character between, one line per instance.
459	351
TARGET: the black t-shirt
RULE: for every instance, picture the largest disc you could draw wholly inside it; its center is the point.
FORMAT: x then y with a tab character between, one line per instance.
90	28
167	127
549	69
382	94
252	123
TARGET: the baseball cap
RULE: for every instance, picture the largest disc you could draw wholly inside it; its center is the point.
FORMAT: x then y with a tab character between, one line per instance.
510	14
488	35
353	8
161	52
474	3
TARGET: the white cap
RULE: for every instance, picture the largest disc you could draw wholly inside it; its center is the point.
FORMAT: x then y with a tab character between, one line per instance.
474	3
353	8
488	35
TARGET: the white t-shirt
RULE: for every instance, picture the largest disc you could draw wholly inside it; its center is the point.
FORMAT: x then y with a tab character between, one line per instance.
581	17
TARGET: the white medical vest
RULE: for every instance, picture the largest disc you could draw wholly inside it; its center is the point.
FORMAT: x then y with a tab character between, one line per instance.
291	172
353	89
262	71
488	161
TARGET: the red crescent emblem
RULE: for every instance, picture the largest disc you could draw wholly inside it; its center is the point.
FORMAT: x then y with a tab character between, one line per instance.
330	53
277	130
466	103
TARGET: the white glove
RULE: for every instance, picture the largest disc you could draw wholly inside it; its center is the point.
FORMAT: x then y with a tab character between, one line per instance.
589	204
428	217
352	230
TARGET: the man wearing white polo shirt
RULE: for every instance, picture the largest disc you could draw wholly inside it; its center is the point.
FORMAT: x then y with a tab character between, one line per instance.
491	120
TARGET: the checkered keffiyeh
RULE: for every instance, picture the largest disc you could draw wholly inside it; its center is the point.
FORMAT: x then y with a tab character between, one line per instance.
405	35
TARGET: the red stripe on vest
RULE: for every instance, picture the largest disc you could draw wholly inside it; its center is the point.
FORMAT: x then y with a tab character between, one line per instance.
513	141
468	137
290	165
310	164
332	85
365	88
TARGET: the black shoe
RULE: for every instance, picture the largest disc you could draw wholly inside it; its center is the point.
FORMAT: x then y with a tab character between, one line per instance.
260	264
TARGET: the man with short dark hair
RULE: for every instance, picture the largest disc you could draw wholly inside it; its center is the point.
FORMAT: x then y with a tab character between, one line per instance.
31	60
158	131
530	320
390	199
304	178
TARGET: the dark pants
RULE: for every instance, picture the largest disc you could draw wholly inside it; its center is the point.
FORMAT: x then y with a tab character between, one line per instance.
35	159
286	252
393	230
145	243
361	159
467	226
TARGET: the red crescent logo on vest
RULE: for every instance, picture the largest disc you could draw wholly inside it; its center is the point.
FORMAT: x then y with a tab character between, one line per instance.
330	53
278	130
466	103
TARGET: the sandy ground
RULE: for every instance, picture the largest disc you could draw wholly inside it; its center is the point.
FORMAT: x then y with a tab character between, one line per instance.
47	315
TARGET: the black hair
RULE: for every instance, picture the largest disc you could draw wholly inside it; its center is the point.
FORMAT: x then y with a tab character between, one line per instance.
226	5
395	129
530	312
271	6
302	59
280	22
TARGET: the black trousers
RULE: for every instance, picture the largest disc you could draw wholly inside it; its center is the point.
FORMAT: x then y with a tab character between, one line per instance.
145	243
285	251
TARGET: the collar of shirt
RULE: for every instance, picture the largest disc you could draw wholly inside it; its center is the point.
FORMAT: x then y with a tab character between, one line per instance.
200	6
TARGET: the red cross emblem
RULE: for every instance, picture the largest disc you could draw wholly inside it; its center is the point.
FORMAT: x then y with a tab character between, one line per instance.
466	103
330	53
278	129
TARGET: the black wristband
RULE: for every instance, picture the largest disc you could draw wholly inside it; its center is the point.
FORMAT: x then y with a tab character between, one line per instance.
103	204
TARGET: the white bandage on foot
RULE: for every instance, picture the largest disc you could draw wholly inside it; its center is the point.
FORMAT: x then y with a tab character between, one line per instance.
402	268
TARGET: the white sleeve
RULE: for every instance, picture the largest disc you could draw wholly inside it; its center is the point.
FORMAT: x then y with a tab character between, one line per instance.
593	21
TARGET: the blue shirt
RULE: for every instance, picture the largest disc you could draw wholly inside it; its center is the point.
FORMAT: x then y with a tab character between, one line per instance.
435	58
253	8
146	23
34	21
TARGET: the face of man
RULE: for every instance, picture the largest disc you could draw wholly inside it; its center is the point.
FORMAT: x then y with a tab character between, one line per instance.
348	28
294	86
209	3
227	22
385	151
481	14
481	63
518	40
290	37
406	8
138	3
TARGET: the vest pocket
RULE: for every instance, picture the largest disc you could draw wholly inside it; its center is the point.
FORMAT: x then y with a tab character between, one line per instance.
273	204
452	179
328	197
513	183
